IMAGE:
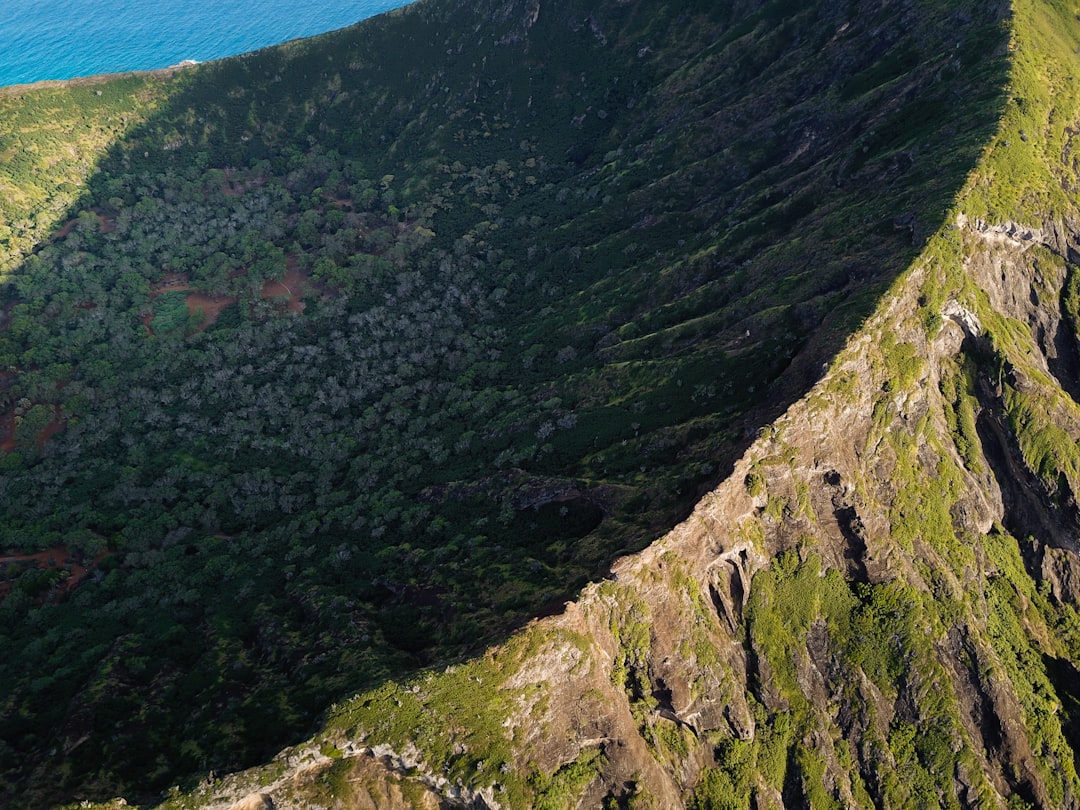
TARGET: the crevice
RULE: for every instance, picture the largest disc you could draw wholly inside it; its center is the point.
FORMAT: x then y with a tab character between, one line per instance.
737	591
664	697
721	608
665	705
1064	364
851	527
852	530
794	792
1065	678
1027	507
973	691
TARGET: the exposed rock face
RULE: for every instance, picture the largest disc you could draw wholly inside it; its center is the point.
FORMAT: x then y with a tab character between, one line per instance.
878	607
866	611
256	801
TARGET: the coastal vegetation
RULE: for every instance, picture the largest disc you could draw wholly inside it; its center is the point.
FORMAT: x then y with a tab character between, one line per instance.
344	359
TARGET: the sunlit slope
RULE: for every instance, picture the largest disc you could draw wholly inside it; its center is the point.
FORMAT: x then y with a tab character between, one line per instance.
877	609
360	352
51	137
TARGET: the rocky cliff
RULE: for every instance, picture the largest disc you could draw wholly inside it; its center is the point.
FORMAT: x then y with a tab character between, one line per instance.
876	609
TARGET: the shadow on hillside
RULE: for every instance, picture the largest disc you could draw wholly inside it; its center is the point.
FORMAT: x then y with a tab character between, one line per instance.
555	273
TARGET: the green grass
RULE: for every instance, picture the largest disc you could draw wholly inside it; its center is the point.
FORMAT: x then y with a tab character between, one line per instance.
566	284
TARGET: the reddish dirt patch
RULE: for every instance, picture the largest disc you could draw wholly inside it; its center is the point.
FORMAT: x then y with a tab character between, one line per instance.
50	430
293	285
7	432
7	420
232	187
209	307
291	288
65	229
198	303
106	224
170	283
56	558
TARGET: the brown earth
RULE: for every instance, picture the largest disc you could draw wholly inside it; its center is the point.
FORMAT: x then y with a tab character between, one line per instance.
106	224
51	429
65	229
7	426
233	187
170	283
7	432
59	557
293	285
7	420
198	303
208	306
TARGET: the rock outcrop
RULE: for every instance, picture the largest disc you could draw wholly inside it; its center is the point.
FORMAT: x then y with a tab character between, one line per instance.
876	609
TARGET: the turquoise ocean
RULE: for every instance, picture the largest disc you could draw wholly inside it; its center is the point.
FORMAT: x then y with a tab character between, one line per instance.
63	39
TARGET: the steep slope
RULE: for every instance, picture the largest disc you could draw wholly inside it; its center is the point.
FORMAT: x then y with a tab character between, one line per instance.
354	355
878	608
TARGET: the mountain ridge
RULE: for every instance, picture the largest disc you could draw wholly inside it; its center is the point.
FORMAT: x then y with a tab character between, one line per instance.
715	668
875	503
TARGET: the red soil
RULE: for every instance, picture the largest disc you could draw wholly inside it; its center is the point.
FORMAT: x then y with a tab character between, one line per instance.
7	432
50	430
7	422
58	557
292	285
105	224
170	283
209	307
235	188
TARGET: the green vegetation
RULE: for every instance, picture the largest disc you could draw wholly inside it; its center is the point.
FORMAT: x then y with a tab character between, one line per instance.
355	354
455	719
958	389
883	635
562	789
51	140
1013	602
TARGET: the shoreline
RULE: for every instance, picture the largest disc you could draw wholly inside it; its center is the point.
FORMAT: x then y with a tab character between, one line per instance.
97	78
380	7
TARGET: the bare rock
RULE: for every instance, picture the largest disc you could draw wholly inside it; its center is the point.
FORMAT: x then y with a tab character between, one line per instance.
256	801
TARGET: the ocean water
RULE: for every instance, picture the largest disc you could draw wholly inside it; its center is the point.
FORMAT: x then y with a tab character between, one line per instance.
62	39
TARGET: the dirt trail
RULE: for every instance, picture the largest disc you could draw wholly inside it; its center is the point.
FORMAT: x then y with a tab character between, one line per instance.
208	306
106	224
293	285
7	432
198	303
59	558
50	430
